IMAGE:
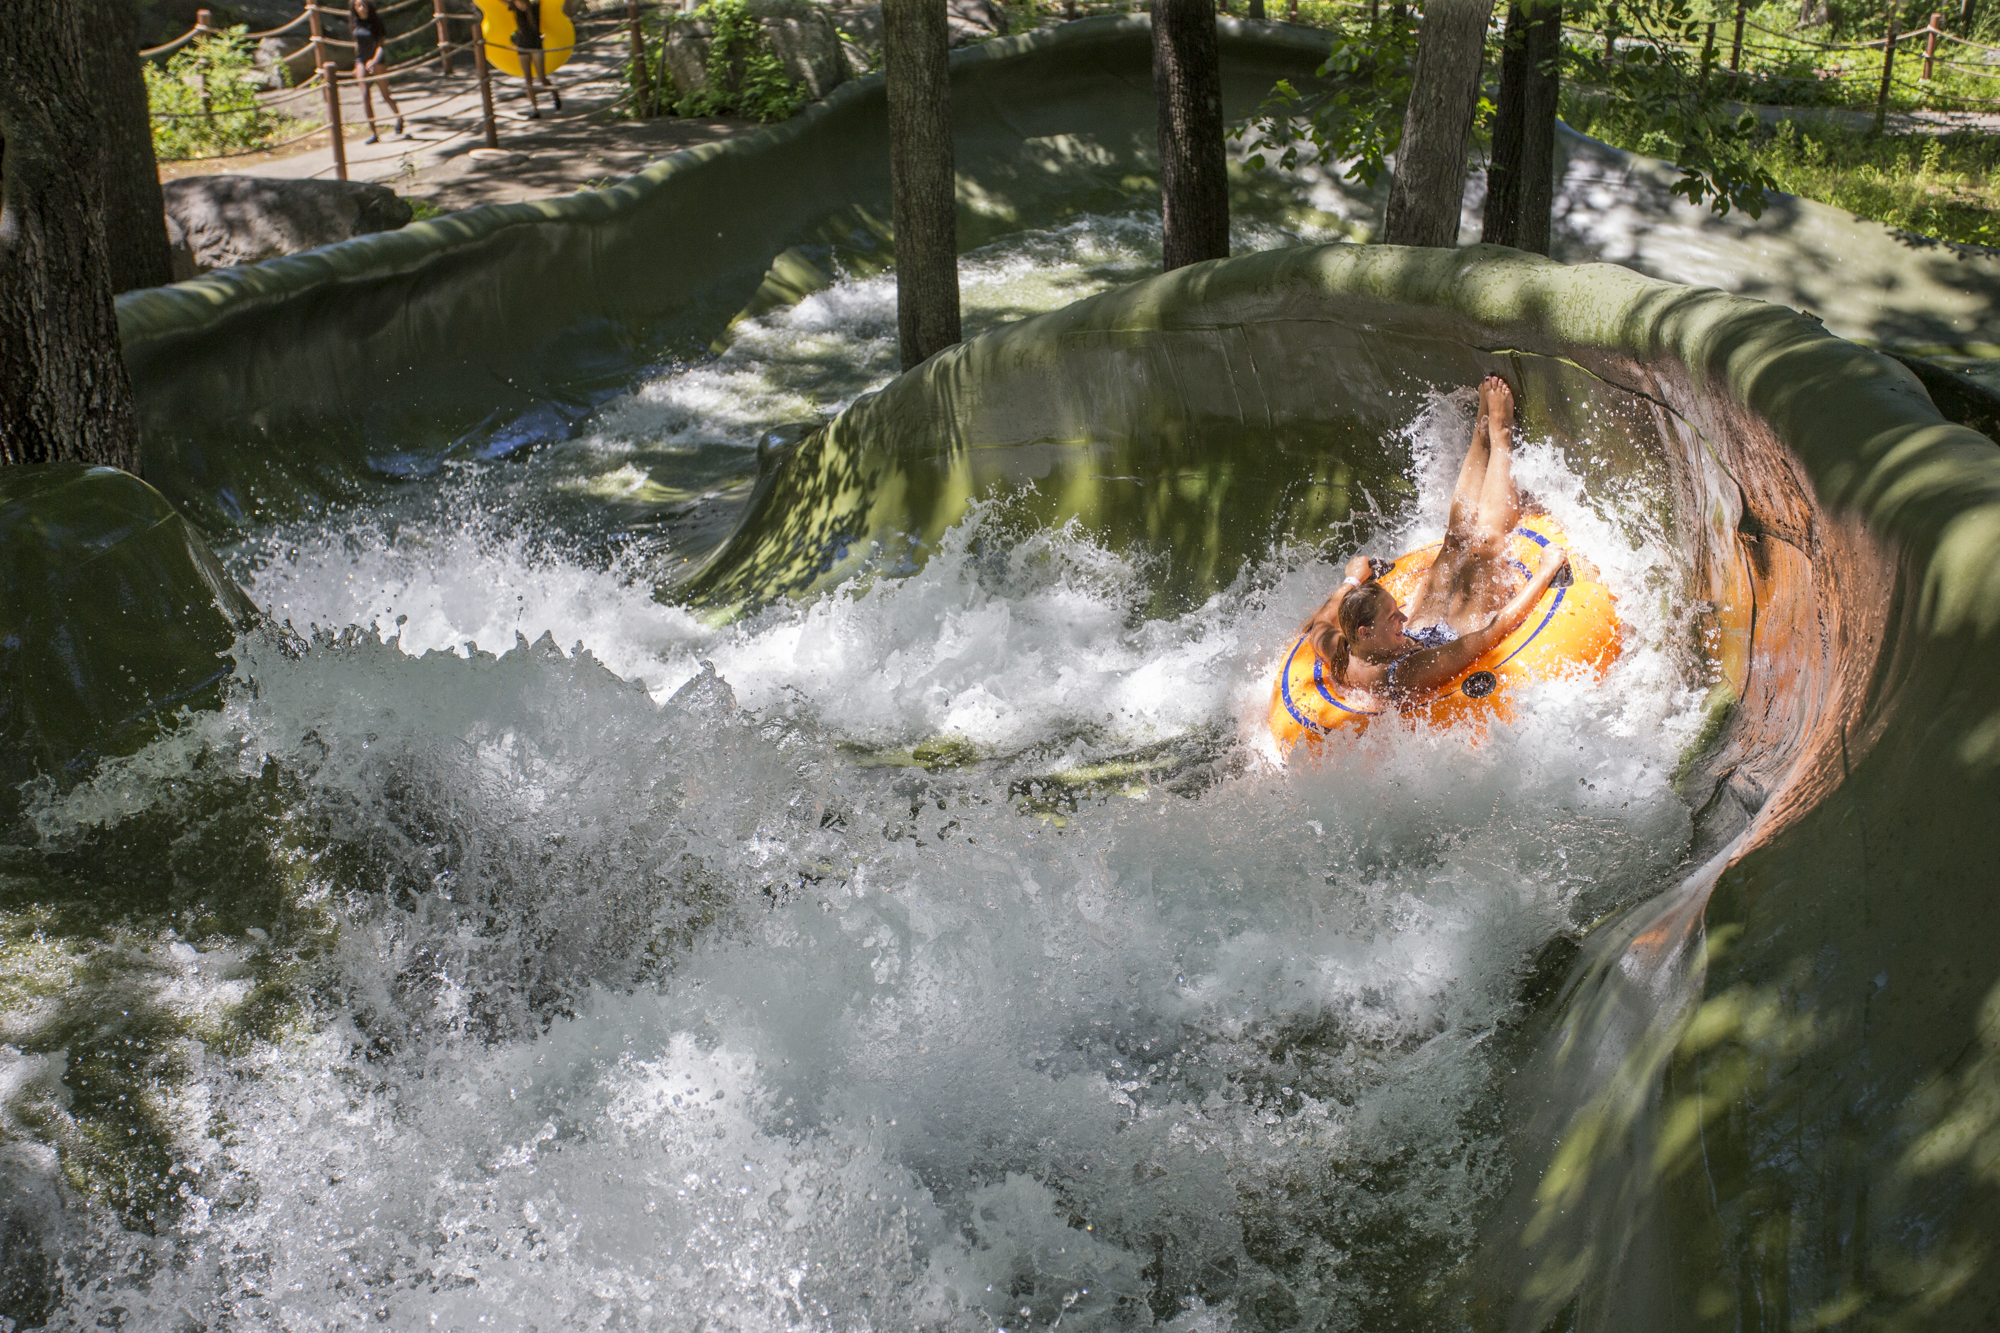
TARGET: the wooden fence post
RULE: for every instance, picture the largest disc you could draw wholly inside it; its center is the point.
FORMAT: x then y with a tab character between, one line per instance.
1930	45
1736	46
331	73
1888	64
485	87
444	37
1610	32
318	36
1707	54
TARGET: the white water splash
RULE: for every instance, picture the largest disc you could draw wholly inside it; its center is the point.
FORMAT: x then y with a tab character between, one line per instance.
647	1003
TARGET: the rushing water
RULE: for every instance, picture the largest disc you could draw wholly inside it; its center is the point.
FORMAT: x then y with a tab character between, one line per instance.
943	952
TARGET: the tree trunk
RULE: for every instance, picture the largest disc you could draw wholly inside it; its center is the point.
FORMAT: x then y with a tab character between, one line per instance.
1194	171
135	212
1256	10
63	389
1429	183
1521	181
922	181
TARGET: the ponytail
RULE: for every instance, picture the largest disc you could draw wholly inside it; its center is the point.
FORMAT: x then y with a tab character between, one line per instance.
1331	629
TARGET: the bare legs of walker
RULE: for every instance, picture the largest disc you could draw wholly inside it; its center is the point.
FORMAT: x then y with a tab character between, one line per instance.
370	75
1471	579
535	64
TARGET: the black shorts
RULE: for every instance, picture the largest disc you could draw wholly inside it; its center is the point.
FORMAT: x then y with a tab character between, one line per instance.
527	41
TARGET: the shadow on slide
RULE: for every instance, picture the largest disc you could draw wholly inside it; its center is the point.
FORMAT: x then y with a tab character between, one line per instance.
1767	1099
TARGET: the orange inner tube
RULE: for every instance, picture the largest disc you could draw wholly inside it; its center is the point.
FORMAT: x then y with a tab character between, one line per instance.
1572	628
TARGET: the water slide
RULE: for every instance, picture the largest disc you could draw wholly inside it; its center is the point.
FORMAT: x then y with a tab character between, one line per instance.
883	913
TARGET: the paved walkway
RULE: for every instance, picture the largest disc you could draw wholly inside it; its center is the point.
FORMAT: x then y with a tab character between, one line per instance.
1896	122
443	158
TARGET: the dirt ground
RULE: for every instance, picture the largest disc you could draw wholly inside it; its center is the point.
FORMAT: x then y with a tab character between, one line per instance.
442	158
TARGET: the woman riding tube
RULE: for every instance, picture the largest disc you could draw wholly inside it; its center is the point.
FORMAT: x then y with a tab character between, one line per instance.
1466	605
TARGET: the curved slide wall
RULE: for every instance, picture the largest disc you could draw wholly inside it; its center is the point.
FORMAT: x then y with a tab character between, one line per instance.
1771	1097
353	350
1772	1094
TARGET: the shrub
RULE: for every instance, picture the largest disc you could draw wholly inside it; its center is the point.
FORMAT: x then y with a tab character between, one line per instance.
204	102
763	91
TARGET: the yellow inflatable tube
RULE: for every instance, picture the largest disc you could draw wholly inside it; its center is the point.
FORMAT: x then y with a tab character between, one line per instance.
496	28
1572	628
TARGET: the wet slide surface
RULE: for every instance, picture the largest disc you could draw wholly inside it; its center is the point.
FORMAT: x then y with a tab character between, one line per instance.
889	919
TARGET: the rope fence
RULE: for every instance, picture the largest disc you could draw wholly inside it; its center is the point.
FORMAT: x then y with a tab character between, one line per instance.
1884	79
327	78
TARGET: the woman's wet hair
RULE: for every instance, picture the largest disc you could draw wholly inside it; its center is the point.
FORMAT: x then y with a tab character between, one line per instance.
1332	628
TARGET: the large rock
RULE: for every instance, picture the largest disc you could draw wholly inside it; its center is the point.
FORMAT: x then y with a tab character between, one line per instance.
223	221
974	20
113	616
800	35
860	27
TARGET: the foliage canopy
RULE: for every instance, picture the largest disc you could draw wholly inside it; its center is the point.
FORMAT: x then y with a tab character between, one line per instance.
1355	116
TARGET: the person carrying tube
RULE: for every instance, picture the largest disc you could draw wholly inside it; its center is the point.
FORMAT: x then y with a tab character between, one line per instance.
528	44
365	22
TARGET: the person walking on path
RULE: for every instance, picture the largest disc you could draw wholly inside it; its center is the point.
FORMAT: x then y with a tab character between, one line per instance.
528	44
365	21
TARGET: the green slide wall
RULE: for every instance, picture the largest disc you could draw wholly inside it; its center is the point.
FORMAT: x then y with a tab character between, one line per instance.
1771	1095
428	329
1769	1098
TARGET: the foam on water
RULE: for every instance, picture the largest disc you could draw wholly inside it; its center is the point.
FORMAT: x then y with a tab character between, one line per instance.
646	998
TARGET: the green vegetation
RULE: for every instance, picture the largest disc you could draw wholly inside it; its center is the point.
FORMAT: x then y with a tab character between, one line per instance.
1354	111
762	92
1355	115
204	103
1946	185
1668	95
1827	65
742	75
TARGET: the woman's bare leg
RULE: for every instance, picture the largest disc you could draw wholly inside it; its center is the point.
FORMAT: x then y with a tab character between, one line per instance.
1471	577
383	83
1445	587
1499	501
1466	492
1482	578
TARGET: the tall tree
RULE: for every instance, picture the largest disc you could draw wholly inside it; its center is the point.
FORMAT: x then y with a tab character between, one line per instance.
1194	170
922	177
1354	116
135	212
1429	182
64	393
1520	182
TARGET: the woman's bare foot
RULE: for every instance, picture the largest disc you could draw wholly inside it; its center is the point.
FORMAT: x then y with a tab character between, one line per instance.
1500	419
